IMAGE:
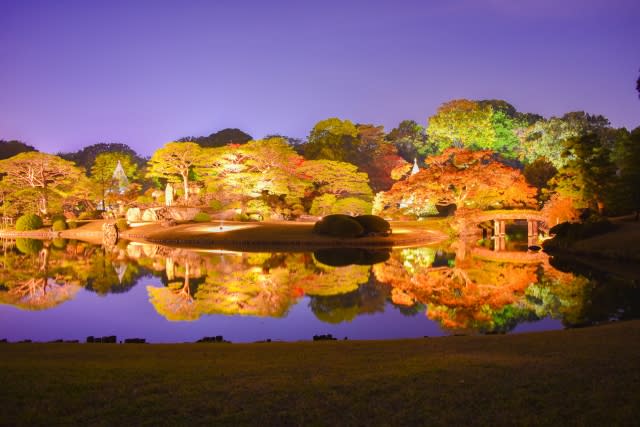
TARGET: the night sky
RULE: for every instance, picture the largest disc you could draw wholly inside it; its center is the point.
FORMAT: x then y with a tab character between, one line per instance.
74	73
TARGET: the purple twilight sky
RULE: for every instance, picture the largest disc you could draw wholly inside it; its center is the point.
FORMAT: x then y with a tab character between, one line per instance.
74	73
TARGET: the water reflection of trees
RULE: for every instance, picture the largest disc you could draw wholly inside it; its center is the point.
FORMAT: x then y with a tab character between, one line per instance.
36	274
257	284
479	294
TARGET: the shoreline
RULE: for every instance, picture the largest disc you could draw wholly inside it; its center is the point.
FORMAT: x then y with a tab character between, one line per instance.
243	235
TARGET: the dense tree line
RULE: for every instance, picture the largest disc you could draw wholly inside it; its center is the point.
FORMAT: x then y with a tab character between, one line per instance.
575	160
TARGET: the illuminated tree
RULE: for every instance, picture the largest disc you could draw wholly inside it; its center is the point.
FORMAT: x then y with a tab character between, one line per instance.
591	166
546	138
104	166
39	177
175	160
332	139
264	169
462	124
474	180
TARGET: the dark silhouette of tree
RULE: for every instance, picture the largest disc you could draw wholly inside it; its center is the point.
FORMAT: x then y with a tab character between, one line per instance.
220	138
86	156
638	86
13	147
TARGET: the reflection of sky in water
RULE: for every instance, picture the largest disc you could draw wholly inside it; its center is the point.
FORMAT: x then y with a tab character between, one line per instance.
130	315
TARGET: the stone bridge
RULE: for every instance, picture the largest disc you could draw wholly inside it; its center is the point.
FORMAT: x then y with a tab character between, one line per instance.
536	222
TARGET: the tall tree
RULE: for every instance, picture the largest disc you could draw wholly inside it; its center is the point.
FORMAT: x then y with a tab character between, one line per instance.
332	139
41	176
176	160
104	166
462	124
590	171
410	140
546	138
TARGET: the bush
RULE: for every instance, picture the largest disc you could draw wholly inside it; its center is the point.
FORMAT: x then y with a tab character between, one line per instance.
72	224
241	217
29	246
339	226
89	215
216	205
122	224
373	224
28	222
59	225
59	243
202	217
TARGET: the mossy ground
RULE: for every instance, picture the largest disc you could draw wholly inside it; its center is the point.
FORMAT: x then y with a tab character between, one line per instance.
573	377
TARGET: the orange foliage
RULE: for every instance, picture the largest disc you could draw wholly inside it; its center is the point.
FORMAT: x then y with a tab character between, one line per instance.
468	179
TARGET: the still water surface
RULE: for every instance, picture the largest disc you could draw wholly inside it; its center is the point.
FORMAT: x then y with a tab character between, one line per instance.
70	290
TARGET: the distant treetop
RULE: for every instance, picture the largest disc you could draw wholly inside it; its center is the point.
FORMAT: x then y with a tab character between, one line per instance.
87	156
220	138
13	147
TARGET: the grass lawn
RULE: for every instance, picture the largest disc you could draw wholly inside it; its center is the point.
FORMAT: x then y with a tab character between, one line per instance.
573	377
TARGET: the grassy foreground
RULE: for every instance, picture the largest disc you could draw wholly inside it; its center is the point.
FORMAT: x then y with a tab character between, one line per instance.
573	377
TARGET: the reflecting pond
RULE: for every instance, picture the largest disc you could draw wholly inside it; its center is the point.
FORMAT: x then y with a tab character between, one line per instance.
62	289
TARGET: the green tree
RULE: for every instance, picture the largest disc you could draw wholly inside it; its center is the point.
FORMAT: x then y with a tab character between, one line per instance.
462	124
410	140
176	161
331	139
104	166
590	172
546	138
338	178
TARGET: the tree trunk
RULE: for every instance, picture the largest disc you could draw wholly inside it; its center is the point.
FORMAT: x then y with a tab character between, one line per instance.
185	182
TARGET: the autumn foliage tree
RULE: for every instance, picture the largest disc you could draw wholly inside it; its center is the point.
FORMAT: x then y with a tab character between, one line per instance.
175	161
37	178
468	179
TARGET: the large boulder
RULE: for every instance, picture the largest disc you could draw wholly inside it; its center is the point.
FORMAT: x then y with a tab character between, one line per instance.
134	215
149	215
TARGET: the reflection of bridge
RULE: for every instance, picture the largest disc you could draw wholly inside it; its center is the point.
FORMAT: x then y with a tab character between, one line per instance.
518	257
536	222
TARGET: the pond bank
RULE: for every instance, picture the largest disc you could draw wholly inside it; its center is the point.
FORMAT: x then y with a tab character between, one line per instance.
621	244
584	376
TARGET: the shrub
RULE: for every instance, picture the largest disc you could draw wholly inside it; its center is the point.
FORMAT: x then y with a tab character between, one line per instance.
241	217
202	217
28	222
59	243
338	225
373	224
216	205
88	215
29	246
59	225
72	224
122	224
58	217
